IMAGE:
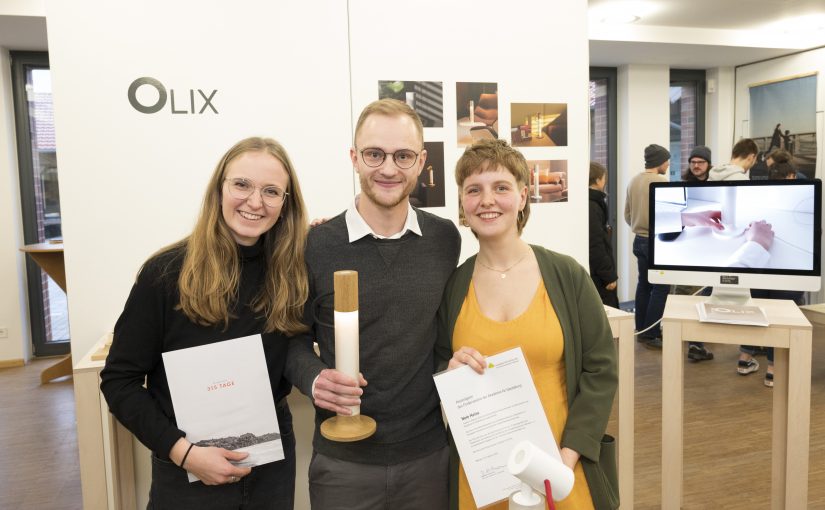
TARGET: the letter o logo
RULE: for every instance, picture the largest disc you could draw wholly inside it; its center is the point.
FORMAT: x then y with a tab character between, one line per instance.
154	83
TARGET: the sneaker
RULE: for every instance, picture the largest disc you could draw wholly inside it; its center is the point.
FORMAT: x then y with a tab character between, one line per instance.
699	353
747	367
769	379
653	343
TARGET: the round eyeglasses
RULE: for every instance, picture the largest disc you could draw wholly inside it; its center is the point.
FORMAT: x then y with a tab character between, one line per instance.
242	189
404	158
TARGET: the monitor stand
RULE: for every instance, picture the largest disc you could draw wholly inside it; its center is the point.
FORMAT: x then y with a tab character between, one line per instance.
730	296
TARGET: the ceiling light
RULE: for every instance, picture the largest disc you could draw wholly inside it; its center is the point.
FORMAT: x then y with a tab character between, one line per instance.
620	18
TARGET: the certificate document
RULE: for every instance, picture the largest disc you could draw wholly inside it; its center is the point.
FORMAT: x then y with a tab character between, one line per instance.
222	397
488	415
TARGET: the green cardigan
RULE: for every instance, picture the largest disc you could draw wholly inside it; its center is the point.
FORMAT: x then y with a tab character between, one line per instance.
590	366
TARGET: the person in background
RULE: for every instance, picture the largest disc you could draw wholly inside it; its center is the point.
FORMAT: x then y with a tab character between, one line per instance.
602	264
403	257
515	294
743	157
697	171
240	272
747	363
650	298
698	165
776	138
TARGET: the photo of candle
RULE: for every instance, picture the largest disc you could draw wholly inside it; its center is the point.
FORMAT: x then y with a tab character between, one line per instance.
548	180
430	171
472	113
545	124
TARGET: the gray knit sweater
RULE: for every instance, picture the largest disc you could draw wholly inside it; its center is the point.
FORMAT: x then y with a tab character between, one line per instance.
400	282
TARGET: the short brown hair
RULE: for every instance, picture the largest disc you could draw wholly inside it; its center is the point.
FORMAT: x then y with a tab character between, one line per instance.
390	108
744	148
780	156
783	170
597	171
487	156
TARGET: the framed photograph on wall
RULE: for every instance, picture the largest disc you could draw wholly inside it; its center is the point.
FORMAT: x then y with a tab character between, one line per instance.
425	97
548	180
476	112
538	124
429	190
783	116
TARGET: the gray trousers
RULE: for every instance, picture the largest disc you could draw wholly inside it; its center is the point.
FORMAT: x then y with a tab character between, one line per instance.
418	484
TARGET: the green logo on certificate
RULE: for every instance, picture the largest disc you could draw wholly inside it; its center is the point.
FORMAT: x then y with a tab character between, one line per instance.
490	365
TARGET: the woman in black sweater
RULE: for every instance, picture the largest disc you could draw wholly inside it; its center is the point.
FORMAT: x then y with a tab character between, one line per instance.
240	272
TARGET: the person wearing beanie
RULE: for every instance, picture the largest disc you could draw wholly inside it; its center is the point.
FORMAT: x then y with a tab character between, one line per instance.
698	165
696	171
655	155
650	299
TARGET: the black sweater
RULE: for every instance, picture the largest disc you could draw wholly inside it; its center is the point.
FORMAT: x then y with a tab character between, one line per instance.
400	282
150	325
602	265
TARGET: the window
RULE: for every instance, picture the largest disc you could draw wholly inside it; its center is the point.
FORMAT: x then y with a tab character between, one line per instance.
37	162
603	133
687	117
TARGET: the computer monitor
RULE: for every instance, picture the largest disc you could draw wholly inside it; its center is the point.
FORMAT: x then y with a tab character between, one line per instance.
730	252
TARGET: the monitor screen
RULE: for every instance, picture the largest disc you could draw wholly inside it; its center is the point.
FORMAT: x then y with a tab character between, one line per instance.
736	234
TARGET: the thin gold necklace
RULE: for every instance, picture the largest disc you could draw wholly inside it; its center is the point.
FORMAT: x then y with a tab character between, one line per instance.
503	272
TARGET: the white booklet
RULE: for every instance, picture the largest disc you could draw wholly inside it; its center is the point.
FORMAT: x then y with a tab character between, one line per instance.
222	397
745	315
489	414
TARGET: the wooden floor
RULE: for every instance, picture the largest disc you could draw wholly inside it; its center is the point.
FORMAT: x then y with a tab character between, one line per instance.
39	467
727	436
727	432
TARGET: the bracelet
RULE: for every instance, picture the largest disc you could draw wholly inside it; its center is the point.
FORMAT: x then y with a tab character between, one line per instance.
182	462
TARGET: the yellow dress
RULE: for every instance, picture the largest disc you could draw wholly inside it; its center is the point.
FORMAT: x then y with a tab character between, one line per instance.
538	332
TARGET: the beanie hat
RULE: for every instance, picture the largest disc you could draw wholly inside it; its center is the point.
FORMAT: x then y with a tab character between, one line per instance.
700	151
655	155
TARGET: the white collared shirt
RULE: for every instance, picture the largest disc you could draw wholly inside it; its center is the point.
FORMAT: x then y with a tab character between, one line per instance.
357	227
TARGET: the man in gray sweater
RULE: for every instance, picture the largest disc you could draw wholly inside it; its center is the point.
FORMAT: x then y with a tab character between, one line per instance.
404	257
650	298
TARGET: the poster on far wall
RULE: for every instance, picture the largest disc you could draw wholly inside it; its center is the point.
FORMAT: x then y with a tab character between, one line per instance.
538	124
783	116
548	180
476	106
429	190
425	97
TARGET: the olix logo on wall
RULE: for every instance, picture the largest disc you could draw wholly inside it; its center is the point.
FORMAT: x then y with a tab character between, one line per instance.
179	103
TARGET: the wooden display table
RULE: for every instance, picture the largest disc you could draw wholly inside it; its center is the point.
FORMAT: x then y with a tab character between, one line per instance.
790	334
49	256
106	466
622	324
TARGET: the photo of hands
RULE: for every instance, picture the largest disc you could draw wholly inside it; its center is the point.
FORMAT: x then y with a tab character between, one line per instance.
754	227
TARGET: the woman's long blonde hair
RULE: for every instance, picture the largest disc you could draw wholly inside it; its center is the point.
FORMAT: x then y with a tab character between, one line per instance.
210	274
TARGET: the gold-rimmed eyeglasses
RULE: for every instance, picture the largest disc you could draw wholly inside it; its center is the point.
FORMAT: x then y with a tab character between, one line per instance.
404	158
242	189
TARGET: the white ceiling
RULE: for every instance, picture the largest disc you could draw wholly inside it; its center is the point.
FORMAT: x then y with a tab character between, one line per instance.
701	34
689	34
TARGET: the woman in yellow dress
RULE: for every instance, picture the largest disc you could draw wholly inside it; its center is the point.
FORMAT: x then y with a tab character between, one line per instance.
515	294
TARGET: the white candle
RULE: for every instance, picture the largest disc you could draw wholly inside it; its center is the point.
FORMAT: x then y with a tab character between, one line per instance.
346	347
536	193
432	182
472	112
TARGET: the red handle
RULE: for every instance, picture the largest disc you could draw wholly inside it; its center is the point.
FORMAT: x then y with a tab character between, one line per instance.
549	492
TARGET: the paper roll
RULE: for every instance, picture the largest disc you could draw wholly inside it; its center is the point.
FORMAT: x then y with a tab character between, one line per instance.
533	466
